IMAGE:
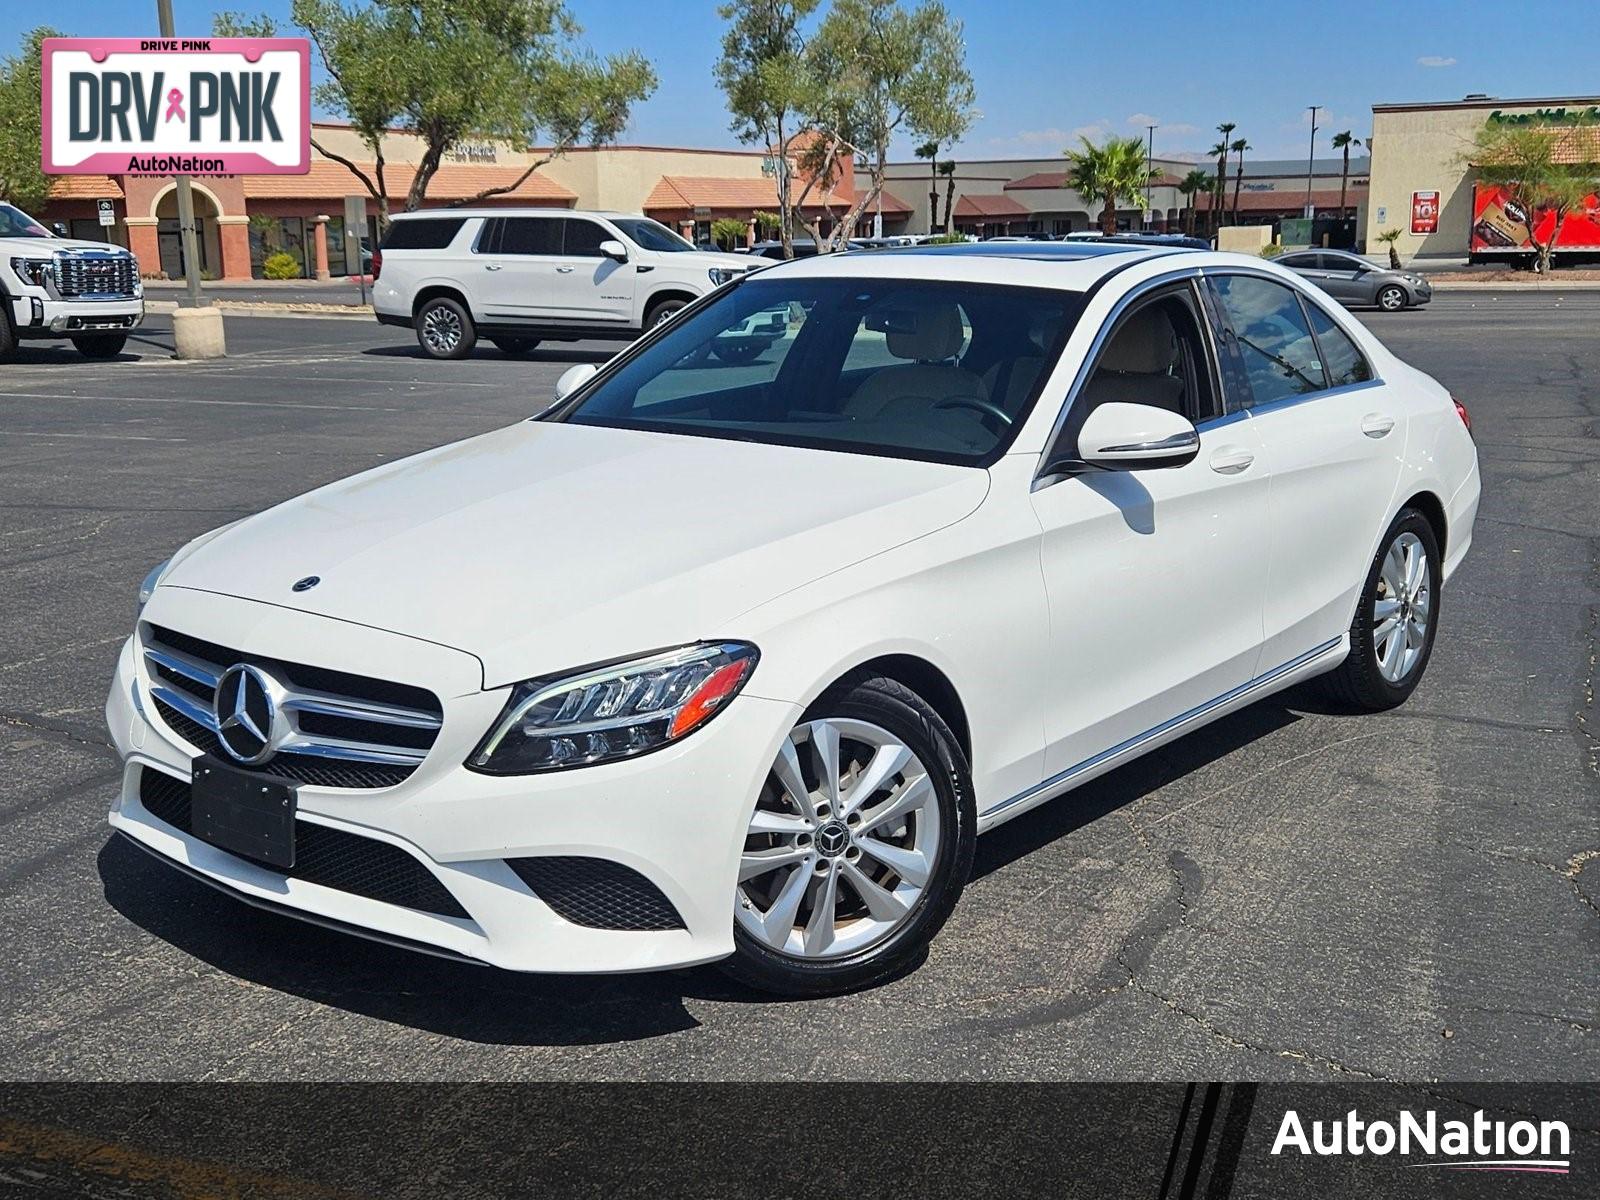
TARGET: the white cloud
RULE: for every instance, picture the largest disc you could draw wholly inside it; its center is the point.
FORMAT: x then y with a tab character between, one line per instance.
1140	120
1435	60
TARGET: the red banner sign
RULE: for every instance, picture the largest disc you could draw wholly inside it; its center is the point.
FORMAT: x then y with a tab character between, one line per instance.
1424	212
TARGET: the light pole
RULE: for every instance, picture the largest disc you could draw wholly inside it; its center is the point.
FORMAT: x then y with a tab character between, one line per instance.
1311	155
186	239
1149	157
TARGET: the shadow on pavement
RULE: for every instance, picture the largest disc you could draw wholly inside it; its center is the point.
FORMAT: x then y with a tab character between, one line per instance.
557	352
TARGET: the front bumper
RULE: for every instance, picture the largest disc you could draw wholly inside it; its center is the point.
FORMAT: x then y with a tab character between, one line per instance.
677	816
39	316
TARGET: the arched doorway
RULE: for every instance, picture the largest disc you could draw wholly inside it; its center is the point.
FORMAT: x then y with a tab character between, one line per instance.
169	242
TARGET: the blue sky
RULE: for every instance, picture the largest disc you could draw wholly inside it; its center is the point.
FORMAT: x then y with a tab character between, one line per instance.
1047	71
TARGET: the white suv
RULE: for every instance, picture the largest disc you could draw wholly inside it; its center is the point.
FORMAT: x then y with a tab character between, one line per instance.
519	276
55	287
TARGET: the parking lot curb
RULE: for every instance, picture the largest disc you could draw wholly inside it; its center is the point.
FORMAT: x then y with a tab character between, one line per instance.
1474	285
243	308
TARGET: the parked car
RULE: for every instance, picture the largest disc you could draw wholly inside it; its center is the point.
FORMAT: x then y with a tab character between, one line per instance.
1177	241
521	276
1352	280
707	665
807	247
88	293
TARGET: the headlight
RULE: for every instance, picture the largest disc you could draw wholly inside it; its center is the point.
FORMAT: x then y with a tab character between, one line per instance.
32	270
613	712
150	581
722	275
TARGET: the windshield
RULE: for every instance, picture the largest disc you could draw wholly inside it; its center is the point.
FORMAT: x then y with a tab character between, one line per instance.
651	235
16	223
906	368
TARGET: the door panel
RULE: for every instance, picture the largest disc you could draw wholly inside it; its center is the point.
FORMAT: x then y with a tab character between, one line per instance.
516	268
1155	582
588	286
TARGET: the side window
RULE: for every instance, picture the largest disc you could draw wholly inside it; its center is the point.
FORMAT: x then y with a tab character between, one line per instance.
1300	262
583	239
1346	363
423	233
1276	348
529	235
1157	356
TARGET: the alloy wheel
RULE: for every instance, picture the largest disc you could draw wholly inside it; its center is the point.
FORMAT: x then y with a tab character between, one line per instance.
441	329
1391	299
842	842
1401	607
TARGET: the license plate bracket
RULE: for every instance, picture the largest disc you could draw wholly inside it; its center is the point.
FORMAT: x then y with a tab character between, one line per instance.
243	813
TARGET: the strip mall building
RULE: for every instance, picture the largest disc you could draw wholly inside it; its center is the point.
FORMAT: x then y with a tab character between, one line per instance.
242	219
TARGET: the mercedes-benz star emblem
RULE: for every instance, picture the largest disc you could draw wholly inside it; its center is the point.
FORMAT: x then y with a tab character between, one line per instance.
306	584
832	839
248	720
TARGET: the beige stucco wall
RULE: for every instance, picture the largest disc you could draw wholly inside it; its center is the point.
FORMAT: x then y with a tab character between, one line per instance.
1424	149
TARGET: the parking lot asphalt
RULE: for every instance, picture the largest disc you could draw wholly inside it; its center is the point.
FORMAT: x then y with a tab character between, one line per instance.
1287	894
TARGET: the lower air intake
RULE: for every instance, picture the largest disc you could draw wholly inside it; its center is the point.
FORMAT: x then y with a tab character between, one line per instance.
597	893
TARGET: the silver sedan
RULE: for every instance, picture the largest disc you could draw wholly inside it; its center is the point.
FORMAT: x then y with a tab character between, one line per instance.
1352	280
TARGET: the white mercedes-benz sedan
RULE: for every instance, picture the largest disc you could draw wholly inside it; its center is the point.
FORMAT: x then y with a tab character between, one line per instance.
734	660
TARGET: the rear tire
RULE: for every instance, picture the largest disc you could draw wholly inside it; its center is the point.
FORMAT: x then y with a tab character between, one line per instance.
1386	661
889	863
514	346
444	329
1392	298
101	345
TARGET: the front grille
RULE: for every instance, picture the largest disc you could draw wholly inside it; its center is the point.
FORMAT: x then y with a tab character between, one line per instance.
597	893
96	274
322	855
337	729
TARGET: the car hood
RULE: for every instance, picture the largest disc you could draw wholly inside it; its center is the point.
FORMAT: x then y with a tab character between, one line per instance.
545	546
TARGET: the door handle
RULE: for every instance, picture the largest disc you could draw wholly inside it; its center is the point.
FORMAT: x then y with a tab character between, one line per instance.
563	270
1376	425
1231	460
491	266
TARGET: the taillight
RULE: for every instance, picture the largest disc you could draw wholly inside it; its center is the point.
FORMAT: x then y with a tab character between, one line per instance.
377	265
1461	411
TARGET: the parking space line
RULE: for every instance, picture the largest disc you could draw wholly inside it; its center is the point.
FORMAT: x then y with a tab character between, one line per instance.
104	437
4	395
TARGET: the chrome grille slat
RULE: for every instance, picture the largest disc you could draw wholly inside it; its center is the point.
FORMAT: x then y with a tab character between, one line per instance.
204	664
93	274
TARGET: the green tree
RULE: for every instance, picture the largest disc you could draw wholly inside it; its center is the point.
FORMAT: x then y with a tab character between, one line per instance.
727	231
1343	141
1544	169
451	70
1389	237
1191	185
22	178
886	70
765	74
947	172
232	23
1114	172
1238	146
1220	191
767	223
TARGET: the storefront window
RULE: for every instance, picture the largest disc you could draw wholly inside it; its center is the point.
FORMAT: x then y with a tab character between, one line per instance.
280	235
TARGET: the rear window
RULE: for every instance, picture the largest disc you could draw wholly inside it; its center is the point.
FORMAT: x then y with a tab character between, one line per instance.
429	233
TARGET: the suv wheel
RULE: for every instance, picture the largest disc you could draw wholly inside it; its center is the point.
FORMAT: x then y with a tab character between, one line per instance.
859	845
662	311
1392	298
1392	634
444	329
101	345
8	336
514	346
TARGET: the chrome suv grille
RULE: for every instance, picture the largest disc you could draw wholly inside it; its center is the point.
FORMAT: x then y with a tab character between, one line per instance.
327	728
94	274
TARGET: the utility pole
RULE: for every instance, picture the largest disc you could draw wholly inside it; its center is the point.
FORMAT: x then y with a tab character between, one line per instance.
1311	155
1149	158
186	238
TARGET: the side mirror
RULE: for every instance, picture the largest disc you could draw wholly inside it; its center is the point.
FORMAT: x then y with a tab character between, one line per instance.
614	249
1134	437
572	379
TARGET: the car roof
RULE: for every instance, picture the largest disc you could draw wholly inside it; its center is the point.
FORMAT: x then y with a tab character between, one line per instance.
510	210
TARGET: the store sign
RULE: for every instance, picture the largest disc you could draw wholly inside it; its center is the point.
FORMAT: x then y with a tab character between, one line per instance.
1547	116
1424	212
169	106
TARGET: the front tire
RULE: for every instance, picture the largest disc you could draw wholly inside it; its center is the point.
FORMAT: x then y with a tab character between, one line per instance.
859	846
1392	635
101	345
444	329
1391	298
663	311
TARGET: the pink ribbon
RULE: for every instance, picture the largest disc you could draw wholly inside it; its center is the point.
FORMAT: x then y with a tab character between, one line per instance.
175	105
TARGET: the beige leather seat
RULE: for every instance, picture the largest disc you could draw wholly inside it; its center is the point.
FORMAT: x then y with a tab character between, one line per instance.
927	337
1136	367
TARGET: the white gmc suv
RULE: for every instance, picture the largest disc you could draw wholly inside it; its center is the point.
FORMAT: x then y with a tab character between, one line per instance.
518	276
56	287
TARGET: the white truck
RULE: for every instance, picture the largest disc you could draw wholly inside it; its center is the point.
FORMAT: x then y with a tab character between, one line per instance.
57	287
519	276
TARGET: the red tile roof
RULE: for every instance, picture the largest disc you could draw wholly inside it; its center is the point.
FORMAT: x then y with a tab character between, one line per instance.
1283	201
84	187
453	181
687	192
981	205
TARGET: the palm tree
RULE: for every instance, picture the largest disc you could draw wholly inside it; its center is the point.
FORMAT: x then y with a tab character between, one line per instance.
1116	171
930	151
948	170
1221	151
1239	146
1343	141
1191	185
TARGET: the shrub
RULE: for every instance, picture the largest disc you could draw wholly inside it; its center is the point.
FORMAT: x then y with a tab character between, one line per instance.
281	266
728	232
946	239
1272	250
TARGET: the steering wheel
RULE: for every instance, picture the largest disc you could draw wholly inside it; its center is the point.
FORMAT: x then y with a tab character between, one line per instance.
988	407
